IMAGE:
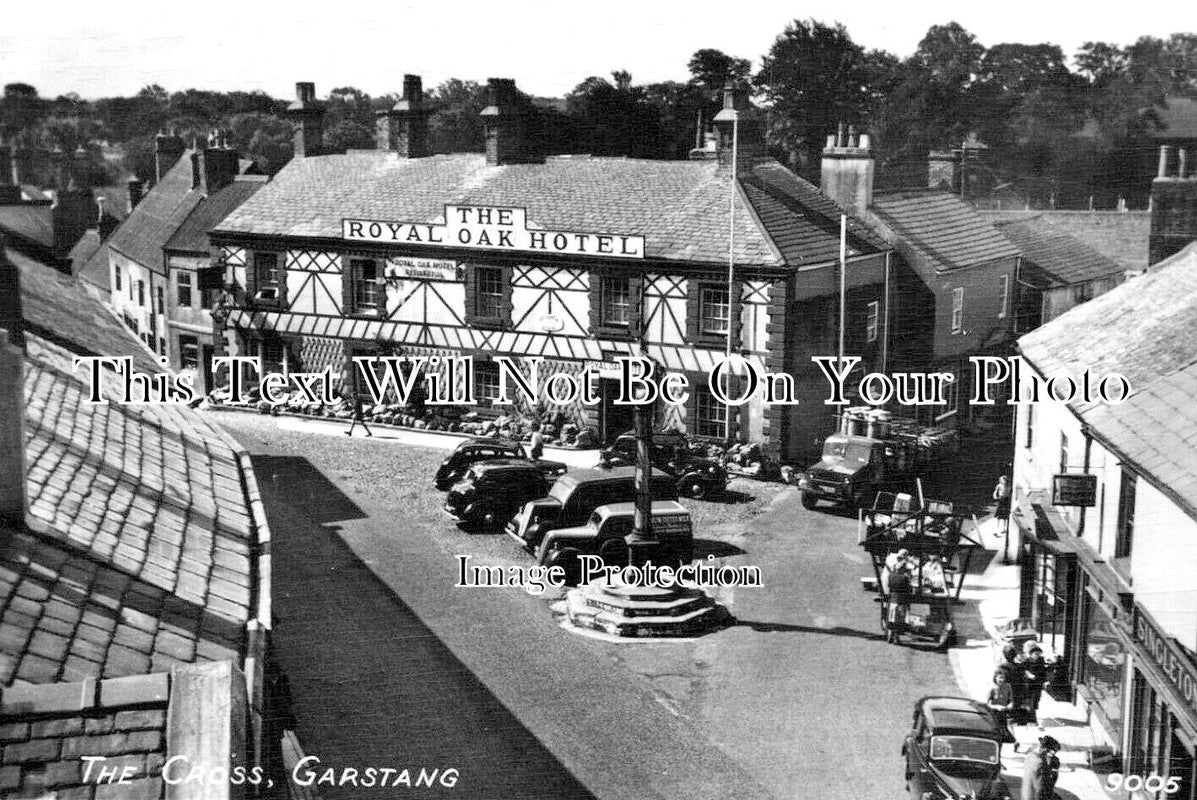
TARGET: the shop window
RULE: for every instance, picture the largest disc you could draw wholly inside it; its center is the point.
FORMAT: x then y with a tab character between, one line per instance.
1124	537
710	416
366	292
183	289
958	309
188	352
872	316
271	351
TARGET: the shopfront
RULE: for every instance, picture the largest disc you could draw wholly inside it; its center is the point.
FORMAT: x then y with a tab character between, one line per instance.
1163	713
1101	666
1048	594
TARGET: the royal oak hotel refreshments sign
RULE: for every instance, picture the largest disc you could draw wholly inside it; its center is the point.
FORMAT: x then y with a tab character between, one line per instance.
493	228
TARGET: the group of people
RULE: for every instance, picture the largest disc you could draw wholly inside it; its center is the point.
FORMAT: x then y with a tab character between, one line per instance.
1018	684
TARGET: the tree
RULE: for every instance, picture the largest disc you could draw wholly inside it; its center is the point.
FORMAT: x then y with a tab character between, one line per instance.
348	133
20	109
456	126
932	103
814	77
711	70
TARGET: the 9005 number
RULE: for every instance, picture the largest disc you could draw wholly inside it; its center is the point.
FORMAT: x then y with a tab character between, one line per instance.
1133	783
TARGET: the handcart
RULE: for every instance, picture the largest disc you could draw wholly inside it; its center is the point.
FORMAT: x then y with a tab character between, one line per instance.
920	554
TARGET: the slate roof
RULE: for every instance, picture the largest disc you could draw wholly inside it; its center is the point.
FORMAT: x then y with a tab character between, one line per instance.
1119	236
146	230
32	222
803	222
58	310
1145	329
680	207
1064	258
137	550
192	234
944	232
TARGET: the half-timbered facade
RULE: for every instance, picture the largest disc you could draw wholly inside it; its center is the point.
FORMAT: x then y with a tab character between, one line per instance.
396	252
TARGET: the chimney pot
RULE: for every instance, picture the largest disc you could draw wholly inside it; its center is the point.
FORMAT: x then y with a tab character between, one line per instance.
841	135
1165	159
1182	159
305	92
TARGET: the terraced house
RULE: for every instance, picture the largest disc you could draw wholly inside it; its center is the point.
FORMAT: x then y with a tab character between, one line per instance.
399	251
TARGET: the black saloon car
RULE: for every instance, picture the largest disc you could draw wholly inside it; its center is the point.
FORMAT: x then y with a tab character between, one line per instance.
490	492
954	751
483	448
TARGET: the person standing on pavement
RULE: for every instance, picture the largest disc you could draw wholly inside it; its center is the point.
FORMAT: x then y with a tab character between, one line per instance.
1001	494
536	443
355	404
1001	700
1041	769
1035	670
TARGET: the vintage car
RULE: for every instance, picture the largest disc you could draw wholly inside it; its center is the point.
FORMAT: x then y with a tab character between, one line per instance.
954	751
603	536
483	448
575	495
490	492
697	475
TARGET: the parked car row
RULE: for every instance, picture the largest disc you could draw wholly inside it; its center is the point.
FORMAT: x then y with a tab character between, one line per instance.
558	515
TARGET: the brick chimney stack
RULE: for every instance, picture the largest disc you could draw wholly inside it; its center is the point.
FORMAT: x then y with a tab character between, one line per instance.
215	166
738	123
308	116
136	188
506	123
168	148
13	502
404	128
1173	205
848	169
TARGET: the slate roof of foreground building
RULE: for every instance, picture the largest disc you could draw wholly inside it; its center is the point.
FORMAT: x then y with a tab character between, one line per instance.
1144	329
139	555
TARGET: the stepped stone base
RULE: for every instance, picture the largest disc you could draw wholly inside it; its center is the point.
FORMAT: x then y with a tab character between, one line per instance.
643	612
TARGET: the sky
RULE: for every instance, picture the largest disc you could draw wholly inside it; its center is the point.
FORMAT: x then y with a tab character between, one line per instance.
100	49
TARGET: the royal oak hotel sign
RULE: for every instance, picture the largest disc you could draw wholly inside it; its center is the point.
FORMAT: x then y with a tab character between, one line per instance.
493	228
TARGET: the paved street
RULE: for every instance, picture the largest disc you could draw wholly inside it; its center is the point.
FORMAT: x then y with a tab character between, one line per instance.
801	698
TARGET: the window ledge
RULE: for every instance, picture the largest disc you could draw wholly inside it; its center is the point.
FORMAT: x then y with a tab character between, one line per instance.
494	323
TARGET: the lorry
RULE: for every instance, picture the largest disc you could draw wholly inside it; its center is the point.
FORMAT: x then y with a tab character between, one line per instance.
575	495
603	535
873	451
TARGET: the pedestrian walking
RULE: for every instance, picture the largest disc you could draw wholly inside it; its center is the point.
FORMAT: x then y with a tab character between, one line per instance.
536	443
1041	769
1001	701
355	403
